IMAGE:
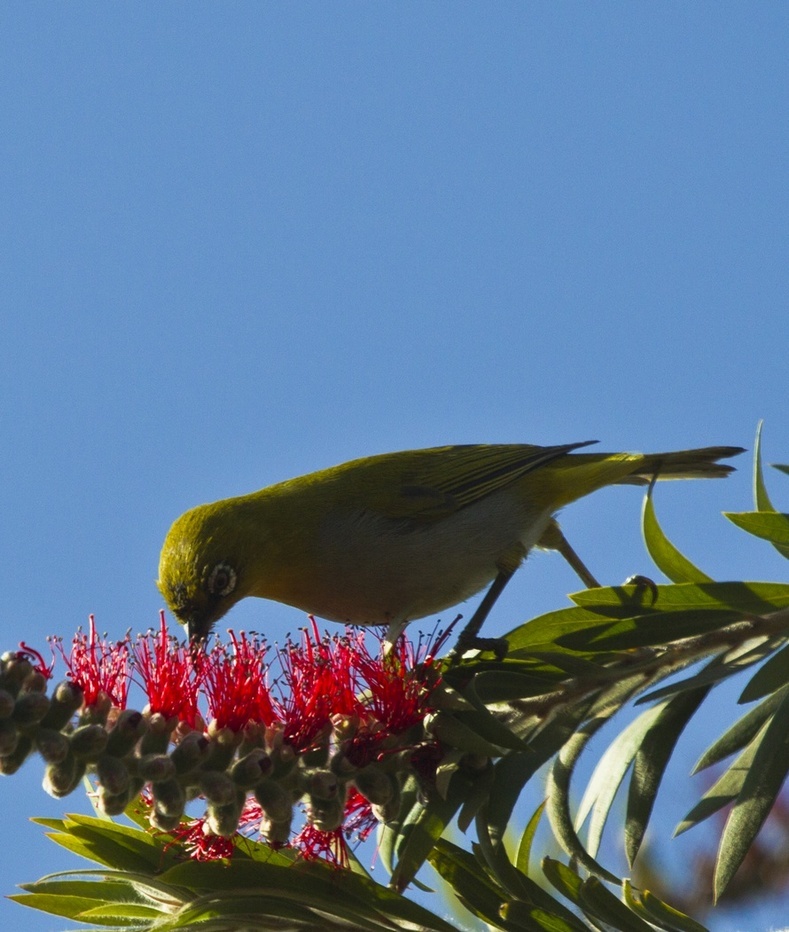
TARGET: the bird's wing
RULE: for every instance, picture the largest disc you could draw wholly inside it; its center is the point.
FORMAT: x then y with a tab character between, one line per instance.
446	479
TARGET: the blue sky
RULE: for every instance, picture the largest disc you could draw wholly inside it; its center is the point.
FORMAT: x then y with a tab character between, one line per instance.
246	241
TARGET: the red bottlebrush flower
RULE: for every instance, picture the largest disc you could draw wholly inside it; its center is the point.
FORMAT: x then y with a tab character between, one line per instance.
320	682
358	821
98	667
396	686
233	679
166	672
315	844
35	658
200	844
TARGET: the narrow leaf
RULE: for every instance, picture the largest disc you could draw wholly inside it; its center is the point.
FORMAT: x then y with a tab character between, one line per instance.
608	775
740	733
527	838
769	678
769	525
668	559
761	498
651	761
762	784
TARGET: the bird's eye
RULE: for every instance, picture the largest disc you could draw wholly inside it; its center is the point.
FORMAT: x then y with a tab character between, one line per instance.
222	580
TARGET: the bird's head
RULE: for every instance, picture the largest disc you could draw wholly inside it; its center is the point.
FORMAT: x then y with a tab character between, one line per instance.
200	574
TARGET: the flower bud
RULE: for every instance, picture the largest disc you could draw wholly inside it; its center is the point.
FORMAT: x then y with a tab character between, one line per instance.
35	683
63	778
155	768
323	784
127	730
169	802
223	819
217	787
274	801
275	833
223	744
65	700
11	762
30	708
163	821
14	670
156	739
52	745
6	703
251	768
190	752
326	814
88	740
112	774
388	811
9	737
376	786
113	805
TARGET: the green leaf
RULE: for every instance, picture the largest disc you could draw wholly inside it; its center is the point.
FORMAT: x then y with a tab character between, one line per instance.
760	787
389	832
70	907
526	917
739	734
608	775
654	910
419	836
761	498
510	775
602	904
546	631
558	794
769	678
656	629
563	879
527	838
733	661
513	680
111	844
121	913
651	762
515	883
471	885
665	555
781	466
768	525
754	598
724	790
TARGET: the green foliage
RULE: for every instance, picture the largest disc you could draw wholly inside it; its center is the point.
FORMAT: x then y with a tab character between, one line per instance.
567	674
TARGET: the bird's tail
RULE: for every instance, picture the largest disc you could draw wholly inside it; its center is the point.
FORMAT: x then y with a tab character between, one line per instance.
683	464
577	474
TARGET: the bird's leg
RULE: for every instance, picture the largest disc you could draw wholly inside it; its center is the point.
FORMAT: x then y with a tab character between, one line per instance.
469	637
553	539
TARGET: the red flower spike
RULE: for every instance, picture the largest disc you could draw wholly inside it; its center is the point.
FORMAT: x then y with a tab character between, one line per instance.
358	820
99	668
320	680
315	844
233	679
200	844
34	657
397	686
165	670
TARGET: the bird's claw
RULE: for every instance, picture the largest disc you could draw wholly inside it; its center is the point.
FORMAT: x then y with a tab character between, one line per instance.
643	584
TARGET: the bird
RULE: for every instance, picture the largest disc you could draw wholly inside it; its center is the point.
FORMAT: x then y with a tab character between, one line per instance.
391	538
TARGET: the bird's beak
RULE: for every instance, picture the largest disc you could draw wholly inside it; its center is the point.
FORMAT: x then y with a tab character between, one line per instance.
195	635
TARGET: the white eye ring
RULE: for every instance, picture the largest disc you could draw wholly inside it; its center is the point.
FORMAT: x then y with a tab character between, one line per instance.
222	580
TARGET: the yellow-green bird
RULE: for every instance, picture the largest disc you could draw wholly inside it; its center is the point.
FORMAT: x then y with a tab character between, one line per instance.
391	538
